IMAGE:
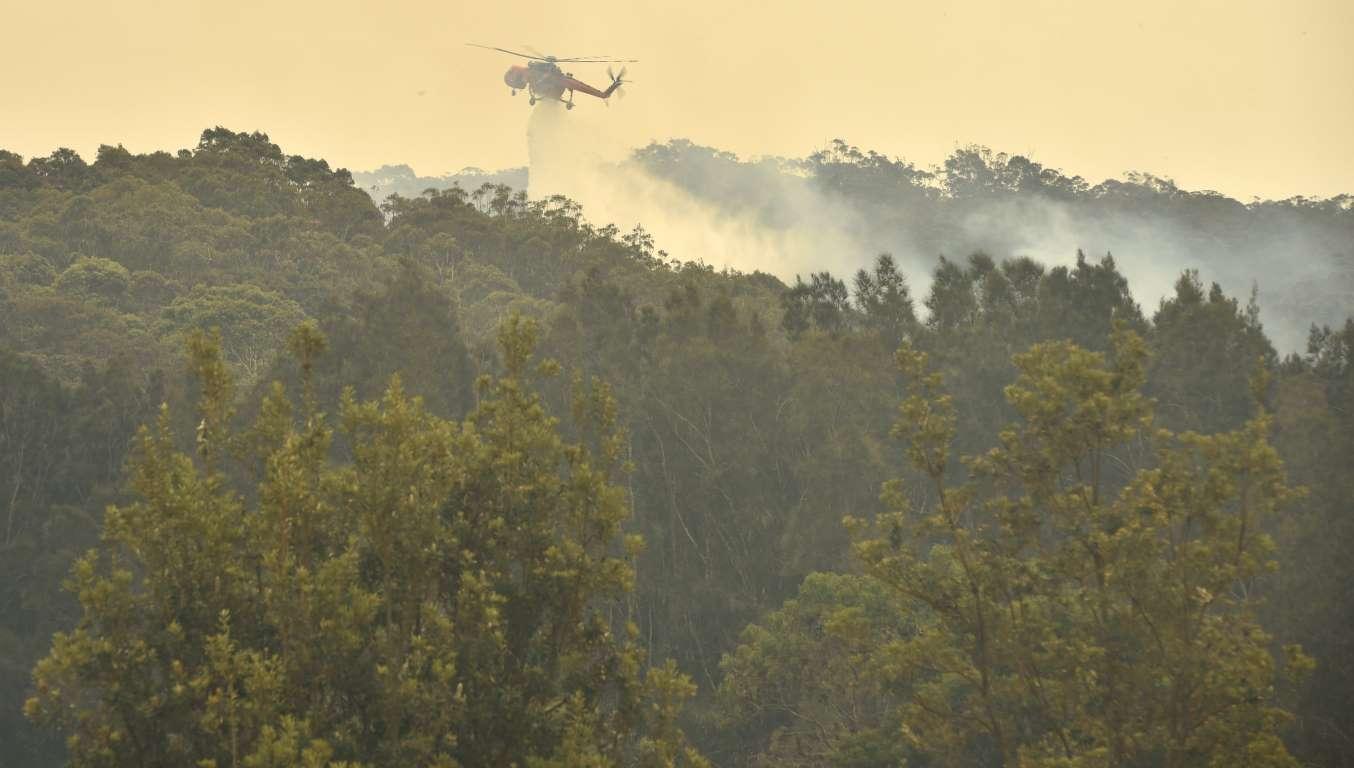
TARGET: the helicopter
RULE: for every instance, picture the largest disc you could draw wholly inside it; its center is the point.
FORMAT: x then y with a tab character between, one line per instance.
542	78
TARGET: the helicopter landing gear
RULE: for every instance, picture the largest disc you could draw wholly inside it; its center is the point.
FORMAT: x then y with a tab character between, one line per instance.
514	91
568	105
532	101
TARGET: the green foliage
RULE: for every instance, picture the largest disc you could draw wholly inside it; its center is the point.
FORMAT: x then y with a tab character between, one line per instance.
821	303
1088	593
756	414
64	168
1314	425
809	675
61	448
66	334
152	290
95	278
25	269
982	313
1206	349
253	322
443	599
885	303
406	325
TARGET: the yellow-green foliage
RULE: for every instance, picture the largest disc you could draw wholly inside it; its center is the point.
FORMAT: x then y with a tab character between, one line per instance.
1086	593
447	597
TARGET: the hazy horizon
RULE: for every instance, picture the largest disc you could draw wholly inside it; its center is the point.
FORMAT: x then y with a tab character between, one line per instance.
1250	99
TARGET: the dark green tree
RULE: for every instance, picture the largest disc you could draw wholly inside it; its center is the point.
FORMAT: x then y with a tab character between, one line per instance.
447	598
1205	345
884	302
1076	609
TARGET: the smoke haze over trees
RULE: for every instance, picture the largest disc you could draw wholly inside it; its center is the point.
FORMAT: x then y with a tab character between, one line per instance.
472	477
836	207
401	180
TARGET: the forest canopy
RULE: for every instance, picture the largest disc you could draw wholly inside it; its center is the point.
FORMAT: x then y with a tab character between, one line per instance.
286	478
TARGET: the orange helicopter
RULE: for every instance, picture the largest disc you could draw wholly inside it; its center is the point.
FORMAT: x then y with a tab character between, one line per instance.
542	78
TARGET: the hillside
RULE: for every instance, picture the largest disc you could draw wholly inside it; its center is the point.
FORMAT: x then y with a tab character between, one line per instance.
1296	252
758	409
403	181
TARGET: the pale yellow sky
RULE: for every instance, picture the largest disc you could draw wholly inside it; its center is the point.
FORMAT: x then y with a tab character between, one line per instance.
1247	97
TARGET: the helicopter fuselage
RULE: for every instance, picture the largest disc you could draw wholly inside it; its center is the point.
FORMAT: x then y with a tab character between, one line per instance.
545	80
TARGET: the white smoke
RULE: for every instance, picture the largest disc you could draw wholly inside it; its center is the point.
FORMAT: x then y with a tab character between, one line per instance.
1297	279
573	154
797	229
1051	233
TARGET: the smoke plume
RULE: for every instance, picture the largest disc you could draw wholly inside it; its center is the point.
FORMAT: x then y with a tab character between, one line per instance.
573	155
770	217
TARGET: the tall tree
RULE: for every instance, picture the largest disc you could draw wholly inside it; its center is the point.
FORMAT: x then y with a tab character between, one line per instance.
884	302
808	680
1311	603
450	597
1204	345
1088	591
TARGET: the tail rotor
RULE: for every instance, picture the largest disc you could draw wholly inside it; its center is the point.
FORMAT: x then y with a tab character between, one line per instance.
617	80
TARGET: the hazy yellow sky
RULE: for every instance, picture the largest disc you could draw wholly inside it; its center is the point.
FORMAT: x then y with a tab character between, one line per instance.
1243	96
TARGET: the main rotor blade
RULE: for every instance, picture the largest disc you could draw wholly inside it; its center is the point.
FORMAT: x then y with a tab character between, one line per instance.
573	59
598	57
505	50
598	60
